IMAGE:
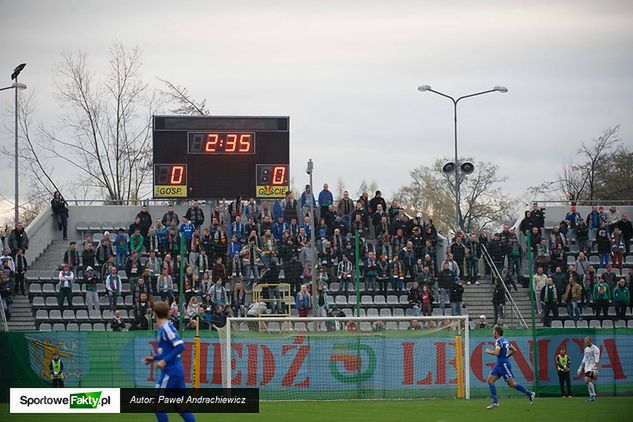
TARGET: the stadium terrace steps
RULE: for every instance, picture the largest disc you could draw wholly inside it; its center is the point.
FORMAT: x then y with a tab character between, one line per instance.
21	314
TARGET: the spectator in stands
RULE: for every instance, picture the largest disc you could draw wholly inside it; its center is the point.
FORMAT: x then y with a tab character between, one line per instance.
122	249
252	211
498	301
92	296
166	285
582	237
133	268
626	228
289	206
571	297
306	200
415	298
303	301
238	300
609	276
458	250
557	238
325	199
593	222
604	247
621	298
195	214
540	281
537	216
65	286
117	323
560	280
515	253
250	258
452	264
113	287
345	207
549	297
322	301
8	258
581	266
136	241
88	256
445	280
397	274
170	218
456	293
558	257
143	319
371	272
345	271
142	286
145	221
472	259
497	251
236	208
588	283
6	289
20	271
602	298
218	294
426	300
60	212
18	239
617	248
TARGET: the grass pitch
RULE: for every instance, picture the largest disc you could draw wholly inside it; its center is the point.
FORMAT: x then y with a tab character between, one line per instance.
612	409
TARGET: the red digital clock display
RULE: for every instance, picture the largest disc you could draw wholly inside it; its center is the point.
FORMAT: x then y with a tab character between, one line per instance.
221	143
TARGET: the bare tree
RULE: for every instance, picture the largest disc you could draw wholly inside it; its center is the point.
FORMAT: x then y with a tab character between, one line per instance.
599	173
184	103
340	188
482	201
106	124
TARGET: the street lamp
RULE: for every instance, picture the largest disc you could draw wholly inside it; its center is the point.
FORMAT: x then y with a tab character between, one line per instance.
313	258
17	86
455	167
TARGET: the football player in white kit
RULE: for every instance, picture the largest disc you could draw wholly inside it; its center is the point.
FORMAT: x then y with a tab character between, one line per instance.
589	366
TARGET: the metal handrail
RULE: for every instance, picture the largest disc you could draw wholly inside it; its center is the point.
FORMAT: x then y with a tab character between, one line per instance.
493	268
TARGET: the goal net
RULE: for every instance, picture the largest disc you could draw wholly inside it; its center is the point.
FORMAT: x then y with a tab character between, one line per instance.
291	358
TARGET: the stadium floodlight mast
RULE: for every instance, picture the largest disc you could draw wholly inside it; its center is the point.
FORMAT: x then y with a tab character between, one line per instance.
466	167
17	86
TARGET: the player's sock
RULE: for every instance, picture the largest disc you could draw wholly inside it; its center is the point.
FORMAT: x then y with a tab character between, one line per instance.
493	392
522	389
162	417
592	390
188	417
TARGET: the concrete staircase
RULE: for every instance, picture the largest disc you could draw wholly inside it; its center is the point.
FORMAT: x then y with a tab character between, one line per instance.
478	299
22	315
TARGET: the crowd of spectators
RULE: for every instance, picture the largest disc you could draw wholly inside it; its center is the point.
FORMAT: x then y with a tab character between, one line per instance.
225	254
580	263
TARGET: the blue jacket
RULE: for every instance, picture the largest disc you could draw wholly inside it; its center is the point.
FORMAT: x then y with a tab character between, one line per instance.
304	200
187	230
302	301
326	198
237	230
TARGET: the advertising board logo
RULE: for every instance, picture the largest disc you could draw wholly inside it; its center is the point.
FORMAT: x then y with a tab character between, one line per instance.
167	191
352	363
86	400
268	191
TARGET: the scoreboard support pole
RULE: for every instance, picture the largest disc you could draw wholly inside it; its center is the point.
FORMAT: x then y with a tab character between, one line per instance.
181	286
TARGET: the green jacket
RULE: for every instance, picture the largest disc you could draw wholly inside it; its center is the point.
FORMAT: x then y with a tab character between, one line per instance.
606	293
136	243
621	294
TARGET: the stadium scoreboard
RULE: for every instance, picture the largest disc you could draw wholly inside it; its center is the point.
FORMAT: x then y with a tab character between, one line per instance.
207	157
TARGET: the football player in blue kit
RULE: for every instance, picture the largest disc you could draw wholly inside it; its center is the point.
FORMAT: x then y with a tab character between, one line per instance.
168	359
503	350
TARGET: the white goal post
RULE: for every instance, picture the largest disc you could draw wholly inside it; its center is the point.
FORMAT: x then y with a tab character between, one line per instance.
325	358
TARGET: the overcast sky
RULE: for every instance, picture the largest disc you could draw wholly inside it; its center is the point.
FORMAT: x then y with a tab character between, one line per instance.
346	73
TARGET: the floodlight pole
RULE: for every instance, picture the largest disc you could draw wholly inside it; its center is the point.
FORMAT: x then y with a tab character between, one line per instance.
313	258
424	88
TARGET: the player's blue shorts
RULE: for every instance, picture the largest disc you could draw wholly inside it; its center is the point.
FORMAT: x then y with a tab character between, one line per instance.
170	381
503	370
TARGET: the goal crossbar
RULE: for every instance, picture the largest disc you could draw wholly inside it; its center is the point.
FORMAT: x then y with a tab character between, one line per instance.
464	327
